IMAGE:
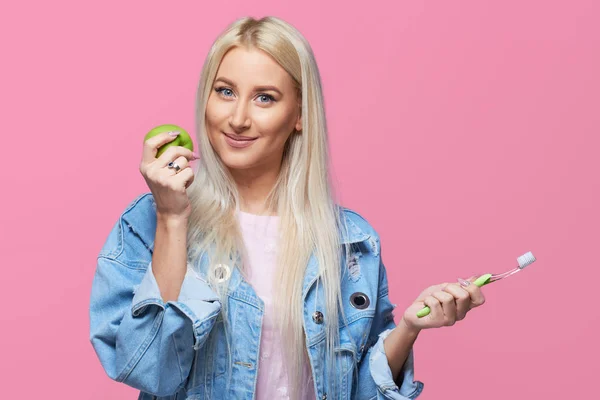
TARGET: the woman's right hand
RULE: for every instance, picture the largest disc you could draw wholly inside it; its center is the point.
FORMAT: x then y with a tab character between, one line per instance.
168	187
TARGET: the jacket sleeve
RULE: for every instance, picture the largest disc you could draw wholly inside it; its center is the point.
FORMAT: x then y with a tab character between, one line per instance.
374	373
141	340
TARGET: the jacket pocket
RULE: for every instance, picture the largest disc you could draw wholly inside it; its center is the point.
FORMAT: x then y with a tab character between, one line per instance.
356	332
346	356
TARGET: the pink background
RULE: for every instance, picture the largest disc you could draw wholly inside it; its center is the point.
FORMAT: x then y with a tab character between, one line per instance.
466	132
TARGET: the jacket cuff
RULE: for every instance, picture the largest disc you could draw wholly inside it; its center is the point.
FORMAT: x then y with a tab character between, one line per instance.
146	294
197	301
405	387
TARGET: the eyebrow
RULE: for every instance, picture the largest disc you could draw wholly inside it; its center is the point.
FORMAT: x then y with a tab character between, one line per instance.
256	88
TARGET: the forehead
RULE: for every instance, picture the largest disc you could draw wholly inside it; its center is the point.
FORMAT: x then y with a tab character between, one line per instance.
253	67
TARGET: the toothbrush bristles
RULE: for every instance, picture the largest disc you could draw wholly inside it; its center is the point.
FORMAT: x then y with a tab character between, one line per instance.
525	259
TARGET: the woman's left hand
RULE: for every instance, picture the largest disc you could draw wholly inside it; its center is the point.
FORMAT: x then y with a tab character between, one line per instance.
449	302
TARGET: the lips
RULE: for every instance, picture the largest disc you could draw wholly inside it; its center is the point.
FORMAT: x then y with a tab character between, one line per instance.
238	138
237	141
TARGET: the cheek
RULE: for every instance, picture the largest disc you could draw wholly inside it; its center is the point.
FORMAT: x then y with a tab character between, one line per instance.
214	112
214	116
276	125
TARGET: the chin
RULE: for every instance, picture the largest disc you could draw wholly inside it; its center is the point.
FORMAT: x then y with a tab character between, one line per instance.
237	161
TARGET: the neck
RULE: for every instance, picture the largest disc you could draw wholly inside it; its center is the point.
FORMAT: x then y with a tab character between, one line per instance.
254	186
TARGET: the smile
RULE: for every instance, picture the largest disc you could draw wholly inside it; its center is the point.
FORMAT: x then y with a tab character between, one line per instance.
238	141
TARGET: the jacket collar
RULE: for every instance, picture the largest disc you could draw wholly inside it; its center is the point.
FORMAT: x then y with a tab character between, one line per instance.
352	234
143	223
141	220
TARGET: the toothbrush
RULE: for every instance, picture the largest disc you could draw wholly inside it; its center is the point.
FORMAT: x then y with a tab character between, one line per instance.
523	261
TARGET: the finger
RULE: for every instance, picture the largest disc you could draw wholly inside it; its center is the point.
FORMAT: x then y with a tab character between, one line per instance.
462	299
152	145
172	153
182	162
436	313
475	294
448	306
430	290
188	182
184	178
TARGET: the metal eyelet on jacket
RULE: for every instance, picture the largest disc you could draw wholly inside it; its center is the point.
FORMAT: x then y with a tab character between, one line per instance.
324	397
222	272
360	301
318	317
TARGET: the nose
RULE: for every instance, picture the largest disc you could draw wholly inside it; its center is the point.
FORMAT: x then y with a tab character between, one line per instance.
239	119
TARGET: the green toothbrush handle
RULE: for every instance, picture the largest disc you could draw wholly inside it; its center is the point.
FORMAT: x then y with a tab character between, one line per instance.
479	282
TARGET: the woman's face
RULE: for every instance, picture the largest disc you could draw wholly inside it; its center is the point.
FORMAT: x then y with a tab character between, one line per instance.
252	110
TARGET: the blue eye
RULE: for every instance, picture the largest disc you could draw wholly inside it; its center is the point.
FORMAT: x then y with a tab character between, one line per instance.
266	96
221	90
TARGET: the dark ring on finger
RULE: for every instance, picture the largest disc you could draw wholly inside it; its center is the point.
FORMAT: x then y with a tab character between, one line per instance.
174	165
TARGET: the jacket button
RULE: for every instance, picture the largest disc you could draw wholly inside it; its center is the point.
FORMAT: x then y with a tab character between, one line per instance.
318	317
324	397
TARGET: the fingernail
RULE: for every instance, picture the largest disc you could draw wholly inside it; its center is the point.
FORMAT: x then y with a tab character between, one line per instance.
196	156
174	133
463	282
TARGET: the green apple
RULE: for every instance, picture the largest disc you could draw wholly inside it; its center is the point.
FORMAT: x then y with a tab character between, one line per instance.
183	139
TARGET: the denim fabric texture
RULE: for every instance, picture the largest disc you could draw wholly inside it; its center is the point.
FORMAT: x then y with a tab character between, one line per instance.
177	350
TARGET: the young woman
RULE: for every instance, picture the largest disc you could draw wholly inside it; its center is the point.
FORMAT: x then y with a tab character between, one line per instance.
240	277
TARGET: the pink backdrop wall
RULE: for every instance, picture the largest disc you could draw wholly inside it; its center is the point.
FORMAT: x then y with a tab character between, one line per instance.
466	132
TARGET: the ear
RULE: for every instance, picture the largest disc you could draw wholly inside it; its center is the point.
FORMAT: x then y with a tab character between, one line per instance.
298	126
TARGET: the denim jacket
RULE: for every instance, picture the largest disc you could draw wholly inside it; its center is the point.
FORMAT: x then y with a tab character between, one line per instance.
162	349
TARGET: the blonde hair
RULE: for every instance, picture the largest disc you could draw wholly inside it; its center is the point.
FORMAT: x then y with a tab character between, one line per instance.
310	221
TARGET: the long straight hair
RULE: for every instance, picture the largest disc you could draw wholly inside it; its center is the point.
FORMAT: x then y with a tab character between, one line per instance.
310	220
